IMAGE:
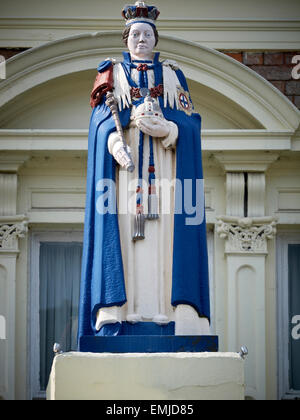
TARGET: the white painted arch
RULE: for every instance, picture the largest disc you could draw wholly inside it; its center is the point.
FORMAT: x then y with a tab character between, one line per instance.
212	73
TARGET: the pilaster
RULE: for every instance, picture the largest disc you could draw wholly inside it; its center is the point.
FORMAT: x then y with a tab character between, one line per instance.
235	192
12	227
246	231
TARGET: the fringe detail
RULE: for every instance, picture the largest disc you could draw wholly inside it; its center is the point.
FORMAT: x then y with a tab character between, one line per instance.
171	82
121	87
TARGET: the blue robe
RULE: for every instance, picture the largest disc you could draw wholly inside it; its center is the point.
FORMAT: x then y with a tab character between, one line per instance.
102	283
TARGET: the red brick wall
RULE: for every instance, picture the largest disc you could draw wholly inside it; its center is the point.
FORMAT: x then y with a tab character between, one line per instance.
10	52
276	67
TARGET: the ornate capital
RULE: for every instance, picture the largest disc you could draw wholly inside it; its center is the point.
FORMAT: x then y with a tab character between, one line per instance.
10	232
246	235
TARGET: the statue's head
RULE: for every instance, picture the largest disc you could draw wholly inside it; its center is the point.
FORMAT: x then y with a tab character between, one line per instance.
140	34
140	40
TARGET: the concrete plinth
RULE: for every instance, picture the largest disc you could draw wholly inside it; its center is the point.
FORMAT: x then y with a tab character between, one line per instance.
142	376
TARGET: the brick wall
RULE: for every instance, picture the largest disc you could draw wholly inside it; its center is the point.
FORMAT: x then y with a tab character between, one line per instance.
276	67
10	52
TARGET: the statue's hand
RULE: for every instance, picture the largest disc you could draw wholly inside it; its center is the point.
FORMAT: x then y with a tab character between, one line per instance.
155	127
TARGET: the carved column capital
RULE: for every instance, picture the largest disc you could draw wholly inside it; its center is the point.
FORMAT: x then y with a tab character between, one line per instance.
11	229
246	235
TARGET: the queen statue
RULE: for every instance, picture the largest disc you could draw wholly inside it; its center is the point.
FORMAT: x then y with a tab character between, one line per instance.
145	258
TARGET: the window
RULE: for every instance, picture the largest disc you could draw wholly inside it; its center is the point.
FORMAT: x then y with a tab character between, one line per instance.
55	285
294	315
288	266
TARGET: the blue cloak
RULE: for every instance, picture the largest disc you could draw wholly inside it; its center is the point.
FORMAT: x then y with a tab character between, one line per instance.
102	283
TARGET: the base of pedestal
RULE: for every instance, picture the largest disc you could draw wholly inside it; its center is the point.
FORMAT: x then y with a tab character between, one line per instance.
147	376
149	344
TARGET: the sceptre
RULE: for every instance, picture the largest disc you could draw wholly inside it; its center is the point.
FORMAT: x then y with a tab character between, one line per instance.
123	154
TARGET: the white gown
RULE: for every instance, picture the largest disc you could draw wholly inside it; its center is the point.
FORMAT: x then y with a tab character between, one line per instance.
147	263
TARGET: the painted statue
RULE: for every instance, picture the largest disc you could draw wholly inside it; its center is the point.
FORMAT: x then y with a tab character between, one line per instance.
145	252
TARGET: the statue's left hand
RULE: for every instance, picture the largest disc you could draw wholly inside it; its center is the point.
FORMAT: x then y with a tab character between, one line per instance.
155	127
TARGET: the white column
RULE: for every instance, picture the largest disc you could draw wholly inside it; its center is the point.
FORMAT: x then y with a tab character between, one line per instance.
246	250
246	231
256	194
246	316
7	309
12	227
235	192
8	194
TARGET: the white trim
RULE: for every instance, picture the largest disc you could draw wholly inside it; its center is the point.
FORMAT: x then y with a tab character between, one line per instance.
77	140
214	33
140	19
283	240
33	304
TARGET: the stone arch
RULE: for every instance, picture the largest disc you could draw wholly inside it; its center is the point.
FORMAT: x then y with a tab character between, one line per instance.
211	74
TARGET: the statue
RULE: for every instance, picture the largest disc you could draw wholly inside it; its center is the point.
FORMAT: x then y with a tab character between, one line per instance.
145	257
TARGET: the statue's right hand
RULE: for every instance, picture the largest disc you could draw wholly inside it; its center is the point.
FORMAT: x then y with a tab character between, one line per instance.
121	153
155	127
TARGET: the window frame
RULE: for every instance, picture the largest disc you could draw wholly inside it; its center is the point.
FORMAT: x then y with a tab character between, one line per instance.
284	239
212	286
37	237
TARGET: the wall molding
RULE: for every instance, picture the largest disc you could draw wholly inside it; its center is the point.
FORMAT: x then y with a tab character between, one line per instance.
219	33
25	140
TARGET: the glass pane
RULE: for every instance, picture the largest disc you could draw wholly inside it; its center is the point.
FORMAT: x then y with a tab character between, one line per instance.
60	270
294	313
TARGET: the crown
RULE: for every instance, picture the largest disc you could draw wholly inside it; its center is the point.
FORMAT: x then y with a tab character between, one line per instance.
140	12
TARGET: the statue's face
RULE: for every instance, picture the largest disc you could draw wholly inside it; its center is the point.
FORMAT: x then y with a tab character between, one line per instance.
141	41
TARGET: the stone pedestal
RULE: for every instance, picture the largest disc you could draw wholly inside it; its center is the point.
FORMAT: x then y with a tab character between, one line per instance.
141	342
147	376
